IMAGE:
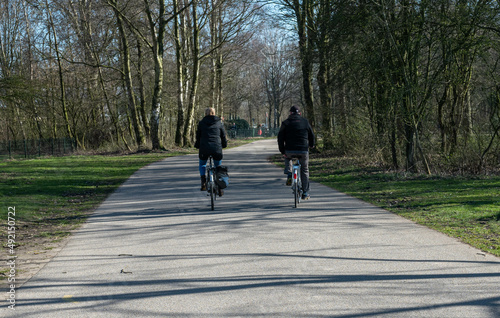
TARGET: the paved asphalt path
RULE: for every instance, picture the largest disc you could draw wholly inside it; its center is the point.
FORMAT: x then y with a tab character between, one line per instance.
154	249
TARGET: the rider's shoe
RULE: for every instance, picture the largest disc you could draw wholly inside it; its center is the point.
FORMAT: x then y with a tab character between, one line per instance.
221	192
305	196
203	183
289	180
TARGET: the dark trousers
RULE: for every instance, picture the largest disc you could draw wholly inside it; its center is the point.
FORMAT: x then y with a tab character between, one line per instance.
304	165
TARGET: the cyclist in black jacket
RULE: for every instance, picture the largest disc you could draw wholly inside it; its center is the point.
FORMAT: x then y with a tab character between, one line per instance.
294	140
210	139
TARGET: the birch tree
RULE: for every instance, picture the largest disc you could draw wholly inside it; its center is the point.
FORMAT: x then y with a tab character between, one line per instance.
180	37
195	71
157	27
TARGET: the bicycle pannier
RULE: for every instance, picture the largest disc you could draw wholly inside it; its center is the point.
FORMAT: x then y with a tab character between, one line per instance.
221	177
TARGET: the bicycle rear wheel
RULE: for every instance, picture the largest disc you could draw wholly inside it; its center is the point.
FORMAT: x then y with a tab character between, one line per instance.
295	186
299	190
211	183
212	195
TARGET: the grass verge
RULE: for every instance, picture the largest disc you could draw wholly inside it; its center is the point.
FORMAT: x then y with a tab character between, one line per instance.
464	208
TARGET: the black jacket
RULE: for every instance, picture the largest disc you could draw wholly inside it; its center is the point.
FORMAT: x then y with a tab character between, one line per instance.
295	134
210	137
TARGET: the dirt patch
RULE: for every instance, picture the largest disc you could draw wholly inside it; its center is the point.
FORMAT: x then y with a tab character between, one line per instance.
35	246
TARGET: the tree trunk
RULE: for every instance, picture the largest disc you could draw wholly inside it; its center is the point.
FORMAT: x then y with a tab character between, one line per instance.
179	54
158	49
324	73
411	161
214	42
302	12
191	107
142	91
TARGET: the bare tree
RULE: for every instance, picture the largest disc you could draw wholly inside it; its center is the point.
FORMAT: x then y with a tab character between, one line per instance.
230	23
127	75
302	12
64	106
278	73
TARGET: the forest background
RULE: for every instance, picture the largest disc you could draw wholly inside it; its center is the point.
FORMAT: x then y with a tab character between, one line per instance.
411	85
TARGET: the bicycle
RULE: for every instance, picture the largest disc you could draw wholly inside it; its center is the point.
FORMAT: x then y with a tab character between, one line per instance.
212	187
296	181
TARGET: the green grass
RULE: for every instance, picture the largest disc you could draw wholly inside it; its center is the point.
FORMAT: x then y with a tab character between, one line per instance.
465	208
53	196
